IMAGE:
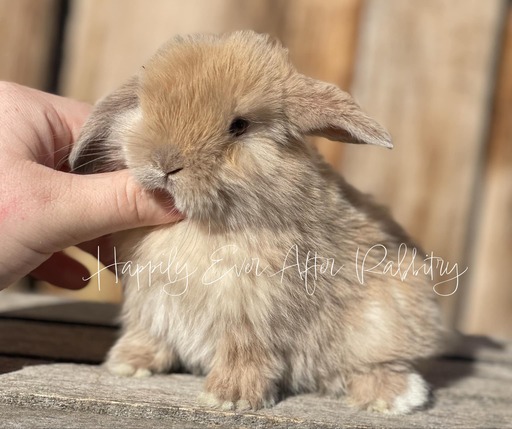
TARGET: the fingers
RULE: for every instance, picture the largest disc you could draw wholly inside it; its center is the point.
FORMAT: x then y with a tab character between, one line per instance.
63	271
43	210
86	207
51	124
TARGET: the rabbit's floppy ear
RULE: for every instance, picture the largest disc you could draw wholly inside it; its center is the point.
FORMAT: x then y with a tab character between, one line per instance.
97	148
322	109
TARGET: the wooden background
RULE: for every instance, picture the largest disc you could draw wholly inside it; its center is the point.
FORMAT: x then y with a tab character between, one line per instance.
436	73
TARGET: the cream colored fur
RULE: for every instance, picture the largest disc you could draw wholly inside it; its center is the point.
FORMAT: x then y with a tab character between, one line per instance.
263	196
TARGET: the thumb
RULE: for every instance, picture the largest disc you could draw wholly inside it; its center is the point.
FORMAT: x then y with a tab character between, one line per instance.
86	207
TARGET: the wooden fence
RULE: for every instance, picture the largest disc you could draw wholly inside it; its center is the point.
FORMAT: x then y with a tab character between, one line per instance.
436	73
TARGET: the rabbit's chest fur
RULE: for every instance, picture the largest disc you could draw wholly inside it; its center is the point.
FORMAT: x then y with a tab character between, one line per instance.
185	287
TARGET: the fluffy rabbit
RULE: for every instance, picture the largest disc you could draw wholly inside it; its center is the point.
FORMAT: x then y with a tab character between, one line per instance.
265	286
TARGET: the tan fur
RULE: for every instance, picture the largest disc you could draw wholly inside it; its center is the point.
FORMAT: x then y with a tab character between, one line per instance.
376	388
257	198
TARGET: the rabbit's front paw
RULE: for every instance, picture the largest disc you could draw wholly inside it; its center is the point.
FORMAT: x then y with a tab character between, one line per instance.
238	390
131	357
126	370
389	392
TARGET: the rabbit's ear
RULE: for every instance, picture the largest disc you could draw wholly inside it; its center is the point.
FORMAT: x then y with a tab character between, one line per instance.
322	109
98	149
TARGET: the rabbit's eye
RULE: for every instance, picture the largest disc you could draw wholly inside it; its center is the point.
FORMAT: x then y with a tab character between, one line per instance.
238	126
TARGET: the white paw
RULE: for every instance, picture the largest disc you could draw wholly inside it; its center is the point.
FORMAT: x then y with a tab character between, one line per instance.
415	396
127	370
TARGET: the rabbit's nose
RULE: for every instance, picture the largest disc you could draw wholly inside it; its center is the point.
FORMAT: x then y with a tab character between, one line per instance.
169	160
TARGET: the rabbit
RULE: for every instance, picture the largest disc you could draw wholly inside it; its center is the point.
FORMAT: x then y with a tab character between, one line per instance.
261	287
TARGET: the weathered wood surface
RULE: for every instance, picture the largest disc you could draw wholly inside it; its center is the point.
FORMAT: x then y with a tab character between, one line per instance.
35	307
57	341
55	329
488	307
462	400
425	69
13	417
472	389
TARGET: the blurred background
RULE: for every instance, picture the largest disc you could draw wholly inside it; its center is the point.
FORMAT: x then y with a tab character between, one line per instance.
436	73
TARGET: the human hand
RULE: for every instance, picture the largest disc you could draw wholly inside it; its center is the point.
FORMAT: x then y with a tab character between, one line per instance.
43	208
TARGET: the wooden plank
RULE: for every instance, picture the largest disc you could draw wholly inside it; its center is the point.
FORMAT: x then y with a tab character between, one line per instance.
39	418
85	313
466	396
489	306
27	37
10	300
424	69
10	364
26	306
55	341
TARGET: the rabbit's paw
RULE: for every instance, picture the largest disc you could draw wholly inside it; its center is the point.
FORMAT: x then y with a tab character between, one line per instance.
238	390
389	392
129	358
126	370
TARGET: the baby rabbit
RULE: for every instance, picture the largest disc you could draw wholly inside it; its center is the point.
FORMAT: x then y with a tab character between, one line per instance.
261	286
